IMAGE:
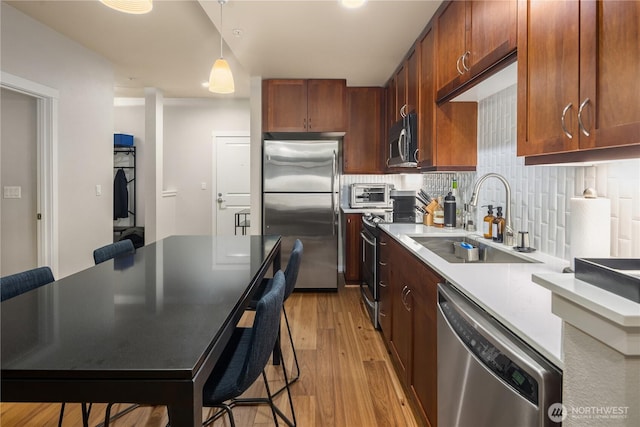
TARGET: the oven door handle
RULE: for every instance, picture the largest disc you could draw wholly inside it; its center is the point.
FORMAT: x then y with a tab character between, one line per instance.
366	239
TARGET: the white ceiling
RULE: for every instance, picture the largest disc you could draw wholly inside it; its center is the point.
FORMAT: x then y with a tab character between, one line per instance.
173	47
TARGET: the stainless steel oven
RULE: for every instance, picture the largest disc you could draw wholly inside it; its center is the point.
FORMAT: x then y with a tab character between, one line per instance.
369	284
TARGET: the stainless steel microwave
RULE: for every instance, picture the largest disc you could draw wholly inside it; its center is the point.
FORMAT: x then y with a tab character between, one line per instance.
403	142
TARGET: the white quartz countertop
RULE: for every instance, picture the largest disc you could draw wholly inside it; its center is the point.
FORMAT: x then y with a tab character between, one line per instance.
615	308
505	291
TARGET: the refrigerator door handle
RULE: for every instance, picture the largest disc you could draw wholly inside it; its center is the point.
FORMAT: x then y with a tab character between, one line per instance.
334	172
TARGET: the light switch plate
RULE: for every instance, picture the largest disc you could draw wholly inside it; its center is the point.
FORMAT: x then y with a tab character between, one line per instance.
12	192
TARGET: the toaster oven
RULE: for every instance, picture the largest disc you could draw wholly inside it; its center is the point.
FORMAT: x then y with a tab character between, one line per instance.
371	196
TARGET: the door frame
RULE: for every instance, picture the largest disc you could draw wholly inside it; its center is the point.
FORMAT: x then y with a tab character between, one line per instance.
47	163
214	170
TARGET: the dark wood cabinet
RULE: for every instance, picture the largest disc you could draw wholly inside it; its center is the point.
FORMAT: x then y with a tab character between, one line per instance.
447	133
290	105
353	248
473	37
424	378
578	64
451	43
384	281
413	337
402	320
363	146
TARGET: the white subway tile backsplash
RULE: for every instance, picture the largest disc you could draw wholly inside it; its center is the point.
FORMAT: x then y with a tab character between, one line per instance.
542	193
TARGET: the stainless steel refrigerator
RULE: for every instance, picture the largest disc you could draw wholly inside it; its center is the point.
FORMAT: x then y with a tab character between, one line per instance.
300	201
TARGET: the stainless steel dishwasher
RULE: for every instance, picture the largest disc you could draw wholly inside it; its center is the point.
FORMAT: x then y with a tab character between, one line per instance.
486	375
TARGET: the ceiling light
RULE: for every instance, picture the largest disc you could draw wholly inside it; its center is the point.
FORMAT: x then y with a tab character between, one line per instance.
220	78
352	4
136	7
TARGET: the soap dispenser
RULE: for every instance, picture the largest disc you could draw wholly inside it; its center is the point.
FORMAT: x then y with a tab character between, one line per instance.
498	227
487	225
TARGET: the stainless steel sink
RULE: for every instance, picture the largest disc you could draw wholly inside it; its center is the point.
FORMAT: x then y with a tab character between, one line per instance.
445	248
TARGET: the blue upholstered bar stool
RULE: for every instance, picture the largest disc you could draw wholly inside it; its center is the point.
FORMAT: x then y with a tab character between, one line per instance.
113	250
19	283
291	277
245	357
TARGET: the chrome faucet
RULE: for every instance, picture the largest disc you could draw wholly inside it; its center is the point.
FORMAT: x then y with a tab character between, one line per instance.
508	230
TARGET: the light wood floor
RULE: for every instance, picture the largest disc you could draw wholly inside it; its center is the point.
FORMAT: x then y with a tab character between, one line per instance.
347	378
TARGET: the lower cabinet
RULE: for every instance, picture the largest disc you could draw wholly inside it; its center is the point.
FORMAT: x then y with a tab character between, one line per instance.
384	290
413	340
353	248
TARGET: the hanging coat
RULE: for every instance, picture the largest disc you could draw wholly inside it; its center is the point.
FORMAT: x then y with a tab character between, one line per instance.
120	195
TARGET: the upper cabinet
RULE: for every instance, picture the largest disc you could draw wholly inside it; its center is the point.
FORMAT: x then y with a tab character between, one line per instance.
578	68
304	105
447	133
363	142
472	37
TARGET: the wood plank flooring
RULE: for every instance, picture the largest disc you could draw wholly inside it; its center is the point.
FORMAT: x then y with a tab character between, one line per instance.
347	379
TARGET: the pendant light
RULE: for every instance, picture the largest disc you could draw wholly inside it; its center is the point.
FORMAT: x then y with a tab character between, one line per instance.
136	7
221	79
353	4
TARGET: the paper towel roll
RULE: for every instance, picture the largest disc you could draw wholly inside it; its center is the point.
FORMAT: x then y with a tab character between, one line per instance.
590	228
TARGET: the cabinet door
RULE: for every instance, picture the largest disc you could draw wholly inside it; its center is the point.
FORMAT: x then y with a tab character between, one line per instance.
493	33
451	28
427	116
327	105
392	106
353	248
548	70
363	145
402	320
413	72
424	378
284	105
609	73
384	289
401	91
457	146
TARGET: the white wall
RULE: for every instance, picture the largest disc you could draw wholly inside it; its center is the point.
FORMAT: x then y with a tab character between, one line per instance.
188	152
85	83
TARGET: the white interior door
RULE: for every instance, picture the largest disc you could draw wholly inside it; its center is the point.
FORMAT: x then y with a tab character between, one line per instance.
233	188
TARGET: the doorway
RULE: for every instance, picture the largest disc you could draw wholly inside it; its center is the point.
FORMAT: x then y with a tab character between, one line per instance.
231	200
33	196
18	180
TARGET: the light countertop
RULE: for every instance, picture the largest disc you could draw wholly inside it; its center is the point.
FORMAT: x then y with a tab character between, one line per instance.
505	291
615	308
